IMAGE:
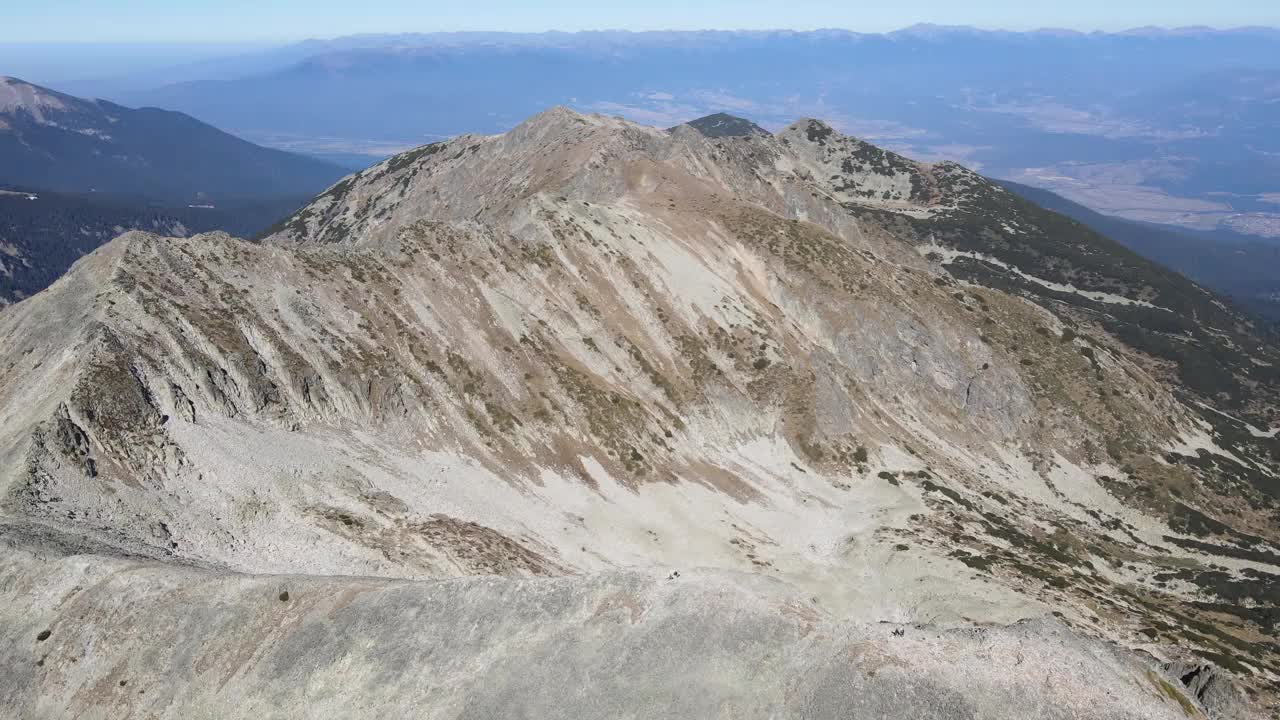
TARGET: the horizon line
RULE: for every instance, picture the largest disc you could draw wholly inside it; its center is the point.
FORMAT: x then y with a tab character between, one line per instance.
1163	29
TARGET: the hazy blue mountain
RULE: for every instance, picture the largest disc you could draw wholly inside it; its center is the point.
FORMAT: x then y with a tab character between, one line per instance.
63	143
1175	126
916	66
103	67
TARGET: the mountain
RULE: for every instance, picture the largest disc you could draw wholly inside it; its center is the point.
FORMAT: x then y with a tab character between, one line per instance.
62	143
680	410
1240	267
1161	126
721	125
42	233
771	73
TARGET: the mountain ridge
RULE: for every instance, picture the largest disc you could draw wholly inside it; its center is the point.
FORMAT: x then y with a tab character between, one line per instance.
586	345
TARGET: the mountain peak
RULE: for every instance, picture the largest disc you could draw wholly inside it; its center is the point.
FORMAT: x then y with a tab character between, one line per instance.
592	157
934	31
555	114
16	94
721	124
814	130
560	120
565	117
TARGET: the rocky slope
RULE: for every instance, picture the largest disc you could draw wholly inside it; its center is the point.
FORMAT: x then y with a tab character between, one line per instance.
703	645
892	390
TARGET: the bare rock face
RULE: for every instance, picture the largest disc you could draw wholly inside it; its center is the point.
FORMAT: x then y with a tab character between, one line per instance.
768	366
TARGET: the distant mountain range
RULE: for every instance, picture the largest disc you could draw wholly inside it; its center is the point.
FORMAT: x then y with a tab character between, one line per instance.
775	73
57	142
1175	126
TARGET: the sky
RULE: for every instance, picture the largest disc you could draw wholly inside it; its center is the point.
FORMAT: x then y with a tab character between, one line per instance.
223	21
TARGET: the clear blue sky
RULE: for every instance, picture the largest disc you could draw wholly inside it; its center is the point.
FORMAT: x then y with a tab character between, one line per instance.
275	20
